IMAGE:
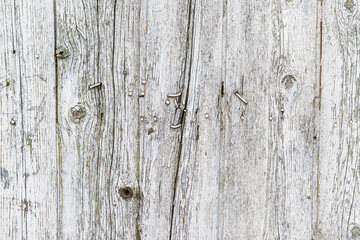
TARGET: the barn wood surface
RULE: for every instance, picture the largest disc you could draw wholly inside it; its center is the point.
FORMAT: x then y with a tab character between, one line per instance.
194	119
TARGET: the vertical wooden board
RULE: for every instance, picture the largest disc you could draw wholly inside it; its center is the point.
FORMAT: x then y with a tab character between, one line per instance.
98	191
196	212
35	39
98	125
31	103
251	61
267	176
126	153
338	215
293	133
12	188
163	43
78	123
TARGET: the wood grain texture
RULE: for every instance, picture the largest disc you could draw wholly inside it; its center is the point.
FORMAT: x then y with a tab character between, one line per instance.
98	127
339	146
28	132
93	147
250	178
12	193
163	60
196	214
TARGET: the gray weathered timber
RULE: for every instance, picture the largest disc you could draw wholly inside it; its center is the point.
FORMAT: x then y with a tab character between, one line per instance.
28	159
194	119
164	40
338	206
98	127
269	156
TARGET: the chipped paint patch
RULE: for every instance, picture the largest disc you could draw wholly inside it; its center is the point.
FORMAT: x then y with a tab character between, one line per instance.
5	178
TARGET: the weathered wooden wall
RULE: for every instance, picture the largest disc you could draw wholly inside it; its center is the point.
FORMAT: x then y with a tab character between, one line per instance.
92	146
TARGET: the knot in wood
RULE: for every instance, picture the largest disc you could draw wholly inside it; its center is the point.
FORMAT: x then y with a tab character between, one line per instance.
62	52
350	5
126	192
289	81
289	88
354	231
76	113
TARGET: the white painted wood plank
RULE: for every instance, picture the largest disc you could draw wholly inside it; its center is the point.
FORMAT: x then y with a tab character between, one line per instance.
338	215
35	36
126	153
99	153
196	213
163	43
12	193
76	58
29	92
262	185
293	103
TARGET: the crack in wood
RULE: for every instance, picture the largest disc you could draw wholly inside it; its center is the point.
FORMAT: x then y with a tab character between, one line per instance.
187	68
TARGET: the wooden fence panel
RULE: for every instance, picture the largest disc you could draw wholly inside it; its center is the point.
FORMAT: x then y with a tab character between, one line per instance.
186	119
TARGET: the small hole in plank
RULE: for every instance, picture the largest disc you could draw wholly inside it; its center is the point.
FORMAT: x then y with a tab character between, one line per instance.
222	89
126	192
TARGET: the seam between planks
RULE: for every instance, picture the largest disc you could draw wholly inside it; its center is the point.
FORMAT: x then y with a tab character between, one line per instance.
58	138
320	22
114	120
